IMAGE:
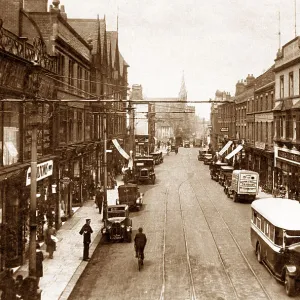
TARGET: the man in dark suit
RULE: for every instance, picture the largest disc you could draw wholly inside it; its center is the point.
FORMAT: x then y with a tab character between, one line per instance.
86	230
140	241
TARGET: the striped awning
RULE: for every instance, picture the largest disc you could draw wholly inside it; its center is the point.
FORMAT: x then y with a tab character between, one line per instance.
225	148
120	149
235	151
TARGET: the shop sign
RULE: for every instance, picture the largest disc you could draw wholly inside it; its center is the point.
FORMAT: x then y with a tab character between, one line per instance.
260	145
289	156
224	129
65	180
44	170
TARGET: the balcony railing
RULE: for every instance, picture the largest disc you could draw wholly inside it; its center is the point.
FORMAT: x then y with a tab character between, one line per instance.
19	47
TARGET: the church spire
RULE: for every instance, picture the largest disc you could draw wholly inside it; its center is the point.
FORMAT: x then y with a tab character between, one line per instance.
183	92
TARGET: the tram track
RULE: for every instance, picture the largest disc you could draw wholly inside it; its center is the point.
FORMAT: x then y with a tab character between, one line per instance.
235	288
192	292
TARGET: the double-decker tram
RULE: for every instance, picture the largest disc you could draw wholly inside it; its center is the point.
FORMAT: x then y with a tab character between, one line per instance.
275	236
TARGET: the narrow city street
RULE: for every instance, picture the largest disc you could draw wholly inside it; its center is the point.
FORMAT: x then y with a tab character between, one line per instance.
198	244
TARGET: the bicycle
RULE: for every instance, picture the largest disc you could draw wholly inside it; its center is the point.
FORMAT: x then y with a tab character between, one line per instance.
140	260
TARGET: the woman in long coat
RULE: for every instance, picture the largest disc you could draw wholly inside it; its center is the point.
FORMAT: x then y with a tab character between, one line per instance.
50	243
39	263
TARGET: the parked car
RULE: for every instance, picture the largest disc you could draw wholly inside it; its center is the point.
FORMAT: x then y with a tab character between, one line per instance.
186	144
207	159
225	171
244	185
173	147
129	194
143	170
215	169
275	237
118	225
201	154
158	157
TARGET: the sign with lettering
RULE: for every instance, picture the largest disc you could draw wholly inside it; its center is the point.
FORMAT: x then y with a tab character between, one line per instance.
224	129
260	145
44	170
289	156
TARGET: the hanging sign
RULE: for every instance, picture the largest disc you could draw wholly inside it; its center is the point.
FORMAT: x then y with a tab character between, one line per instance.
44	170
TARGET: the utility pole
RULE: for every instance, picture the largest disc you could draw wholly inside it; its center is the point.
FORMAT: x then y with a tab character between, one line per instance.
105	163
33	176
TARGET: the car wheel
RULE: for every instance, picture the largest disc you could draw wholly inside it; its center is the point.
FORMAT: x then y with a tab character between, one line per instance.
129	237
235	197
290	285
107	237
258	253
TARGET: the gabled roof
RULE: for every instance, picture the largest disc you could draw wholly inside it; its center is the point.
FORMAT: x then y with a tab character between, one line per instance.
89	29
112	39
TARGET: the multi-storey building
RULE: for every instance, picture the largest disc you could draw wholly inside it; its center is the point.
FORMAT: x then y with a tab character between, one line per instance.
49	61
287	117
259	135
223	120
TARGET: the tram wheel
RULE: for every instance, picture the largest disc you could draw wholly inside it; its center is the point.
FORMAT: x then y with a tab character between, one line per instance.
290	285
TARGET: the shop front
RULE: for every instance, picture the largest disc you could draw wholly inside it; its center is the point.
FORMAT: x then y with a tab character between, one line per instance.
287	171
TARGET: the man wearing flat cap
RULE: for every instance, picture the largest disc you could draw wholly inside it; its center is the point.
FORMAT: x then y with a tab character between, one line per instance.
86	230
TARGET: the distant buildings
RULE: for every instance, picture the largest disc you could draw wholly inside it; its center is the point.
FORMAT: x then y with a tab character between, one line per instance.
264	118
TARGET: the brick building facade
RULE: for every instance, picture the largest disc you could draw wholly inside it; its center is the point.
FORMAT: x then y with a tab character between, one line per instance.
43	56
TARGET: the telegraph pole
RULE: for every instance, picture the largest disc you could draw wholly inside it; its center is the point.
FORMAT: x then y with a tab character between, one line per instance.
105	164
33	176
33	185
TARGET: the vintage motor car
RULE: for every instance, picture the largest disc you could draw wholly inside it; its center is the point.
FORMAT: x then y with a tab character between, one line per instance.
173	147
158	157
129	194
186	144
201	154
143	170
275	237
224	172
207	159
118	225
215	169
227	184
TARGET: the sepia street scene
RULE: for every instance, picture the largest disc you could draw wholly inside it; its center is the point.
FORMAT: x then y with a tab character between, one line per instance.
149	150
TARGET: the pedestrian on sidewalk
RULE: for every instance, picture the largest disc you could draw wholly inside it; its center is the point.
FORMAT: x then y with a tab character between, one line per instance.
39	264
86	230
19	287
99	197
50	240
8	286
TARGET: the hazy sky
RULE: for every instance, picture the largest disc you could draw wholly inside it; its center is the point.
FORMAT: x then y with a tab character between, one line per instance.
215	42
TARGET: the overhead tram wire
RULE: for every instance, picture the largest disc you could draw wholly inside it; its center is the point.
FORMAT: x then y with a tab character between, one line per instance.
96	98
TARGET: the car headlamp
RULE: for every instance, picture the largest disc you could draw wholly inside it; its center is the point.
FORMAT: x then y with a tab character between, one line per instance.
122	226
128	228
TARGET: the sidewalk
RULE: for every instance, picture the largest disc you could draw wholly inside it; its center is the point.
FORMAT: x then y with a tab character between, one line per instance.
62	272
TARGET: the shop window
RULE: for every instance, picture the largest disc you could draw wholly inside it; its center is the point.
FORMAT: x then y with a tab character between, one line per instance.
79	126
291	84
10	142
87	125
63	128
281	87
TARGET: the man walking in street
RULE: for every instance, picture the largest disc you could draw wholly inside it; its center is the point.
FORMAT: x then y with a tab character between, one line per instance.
86	230
99	197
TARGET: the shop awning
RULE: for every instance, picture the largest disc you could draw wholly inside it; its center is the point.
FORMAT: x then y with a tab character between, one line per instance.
235	151
120	149
225	148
